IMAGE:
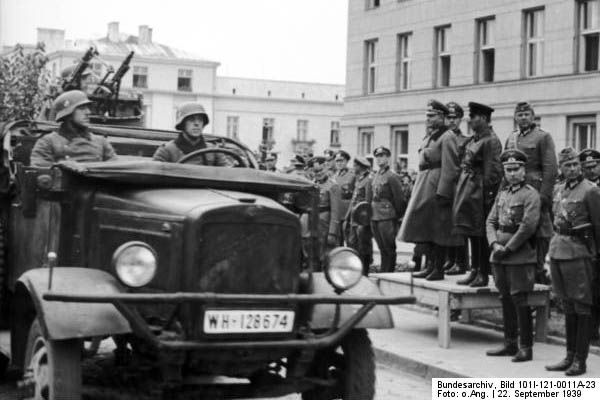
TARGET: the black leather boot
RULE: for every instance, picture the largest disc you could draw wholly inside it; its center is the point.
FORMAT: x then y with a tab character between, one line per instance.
438	271
509	348
571	336
429	267
482	259
481	280
582	346
450	255
470	278
416	258
457	269
525	334
524	354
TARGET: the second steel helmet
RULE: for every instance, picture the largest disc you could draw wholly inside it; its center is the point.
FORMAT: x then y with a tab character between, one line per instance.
67	102
188	109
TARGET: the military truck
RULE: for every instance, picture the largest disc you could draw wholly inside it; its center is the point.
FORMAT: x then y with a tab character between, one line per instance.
178	281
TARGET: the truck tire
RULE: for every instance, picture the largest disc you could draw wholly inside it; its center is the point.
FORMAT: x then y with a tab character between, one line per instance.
352	364
53	367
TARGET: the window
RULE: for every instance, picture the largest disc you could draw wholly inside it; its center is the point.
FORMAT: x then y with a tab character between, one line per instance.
400	147
485	58
588	22
334	137
442	56
302	130
582	132
184	80
233	126
372	4
365	140
267	133
404	60
140	77
533	42
369	79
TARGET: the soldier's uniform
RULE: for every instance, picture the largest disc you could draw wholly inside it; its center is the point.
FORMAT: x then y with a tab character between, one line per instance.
360	237
512	223
345	179
541	170
573	247
387	208
590	161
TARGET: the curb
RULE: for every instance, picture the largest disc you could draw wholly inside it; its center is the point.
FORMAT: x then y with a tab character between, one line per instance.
413	367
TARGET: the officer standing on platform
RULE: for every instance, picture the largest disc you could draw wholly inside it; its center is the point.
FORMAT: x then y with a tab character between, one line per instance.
345	180
476	190
541	170
330	162
329	207
456	262
359	236
510	227
574	245
387	208
590	163
428	218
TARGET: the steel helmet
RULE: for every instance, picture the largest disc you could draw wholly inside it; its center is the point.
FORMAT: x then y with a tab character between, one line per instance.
361	213
66	103
67	71
188	109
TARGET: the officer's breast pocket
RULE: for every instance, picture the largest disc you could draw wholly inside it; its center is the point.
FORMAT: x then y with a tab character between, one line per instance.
516	212
529	150
574	208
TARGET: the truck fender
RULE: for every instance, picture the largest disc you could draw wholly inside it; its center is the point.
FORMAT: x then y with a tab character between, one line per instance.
62	320
322	317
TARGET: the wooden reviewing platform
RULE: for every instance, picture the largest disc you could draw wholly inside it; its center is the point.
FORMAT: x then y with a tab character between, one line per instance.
446	295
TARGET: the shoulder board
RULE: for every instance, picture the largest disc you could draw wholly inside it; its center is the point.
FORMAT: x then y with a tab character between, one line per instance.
528	186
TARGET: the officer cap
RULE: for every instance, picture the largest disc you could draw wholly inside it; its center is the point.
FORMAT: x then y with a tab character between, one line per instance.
455	110
362	161
480	109
343	154
382	151
567	154
435	107
187	110
589	157
513	156
361	213
523	106
298	161
316	160
329	154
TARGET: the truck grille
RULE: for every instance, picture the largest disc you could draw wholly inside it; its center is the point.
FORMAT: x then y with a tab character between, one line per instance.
256	258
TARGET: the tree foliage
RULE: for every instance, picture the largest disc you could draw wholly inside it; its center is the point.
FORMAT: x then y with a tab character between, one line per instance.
24	82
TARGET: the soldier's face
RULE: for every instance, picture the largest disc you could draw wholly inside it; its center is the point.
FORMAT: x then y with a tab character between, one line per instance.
81	116
571	169
382	160
435	120
341	163
193	125
477	122
524	118
514	173
591	171
453	121
318	170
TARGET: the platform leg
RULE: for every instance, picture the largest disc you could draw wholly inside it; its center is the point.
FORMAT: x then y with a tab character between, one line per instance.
444	319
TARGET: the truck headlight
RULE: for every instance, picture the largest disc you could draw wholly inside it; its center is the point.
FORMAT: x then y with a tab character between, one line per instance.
135	263
343	268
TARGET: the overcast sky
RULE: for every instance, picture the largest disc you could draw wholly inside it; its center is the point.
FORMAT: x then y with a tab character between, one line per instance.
299	40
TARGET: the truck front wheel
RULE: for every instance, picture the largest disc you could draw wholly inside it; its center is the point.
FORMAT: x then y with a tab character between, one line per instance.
351	365
53	367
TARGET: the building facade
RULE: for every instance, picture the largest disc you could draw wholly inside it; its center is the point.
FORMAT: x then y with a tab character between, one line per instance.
290	117
498	52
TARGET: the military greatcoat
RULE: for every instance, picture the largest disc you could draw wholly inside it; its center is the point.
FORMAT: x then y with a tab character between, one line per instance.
478	184
428	217
541	168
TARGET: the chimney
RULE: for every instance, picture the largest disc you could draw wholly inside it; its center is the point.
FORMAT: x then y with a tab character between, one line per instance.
53	39
113	31
145	34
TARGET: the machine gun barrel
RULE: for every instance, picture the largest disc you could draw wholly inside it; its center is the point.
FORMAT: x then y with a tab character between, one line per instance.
115	82
73	82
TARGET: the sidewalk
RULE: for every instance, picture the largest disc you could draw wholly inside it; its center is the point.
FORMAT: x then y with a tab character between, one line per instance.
413	347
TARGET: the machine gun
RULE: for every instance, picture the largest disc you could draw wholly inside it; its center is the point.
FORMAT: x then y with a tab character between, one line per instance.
73	81
114	86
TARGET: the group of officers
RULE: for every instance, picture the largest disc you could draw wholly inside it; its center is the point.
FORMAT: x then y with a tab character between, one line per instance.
515	205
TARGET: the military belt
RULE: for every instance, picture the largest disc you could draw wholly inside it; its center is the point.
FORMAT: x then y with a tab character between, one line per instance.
508	228
564	231
433	165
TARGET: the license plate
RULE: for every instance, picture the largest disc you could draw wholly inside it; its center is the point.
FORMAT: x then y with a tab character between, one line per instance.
248	321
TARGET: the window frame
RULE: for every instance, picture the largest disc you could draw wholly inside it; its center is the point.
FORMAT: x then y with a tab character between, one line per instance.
441	54
484	40
302	130
404	61
136	72
233	127
573	137
366	132
182	73
370	66
400	140
582	33
334	134
269	128
529	41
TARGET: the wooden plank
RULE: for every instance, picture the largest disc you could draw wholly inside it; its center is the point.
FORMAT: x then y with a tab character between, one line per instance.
444	319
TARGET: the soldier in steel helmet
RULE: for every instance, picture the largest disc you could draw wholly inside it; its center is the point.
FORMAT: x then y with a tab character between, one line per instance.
573	247
345	179
73	140
510	227
360	237
191	120
590	163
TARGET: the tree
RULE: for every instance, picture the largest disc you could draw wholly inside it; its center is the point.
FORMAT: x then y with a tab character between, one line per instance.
24	82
